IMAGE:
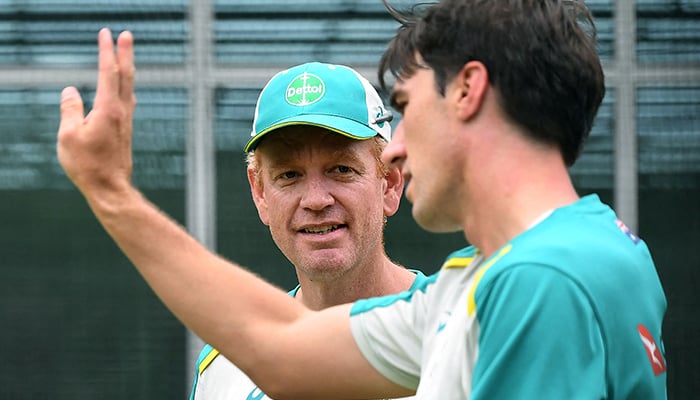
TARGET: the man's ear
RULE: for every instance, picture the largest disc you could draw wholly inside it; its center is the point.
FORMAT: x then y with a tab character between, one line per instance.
469	89
256	189
393	191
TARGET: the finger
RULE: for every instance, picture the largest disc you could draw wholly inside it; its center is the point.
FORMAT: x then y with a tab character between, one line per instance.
72	110
108	70
125	59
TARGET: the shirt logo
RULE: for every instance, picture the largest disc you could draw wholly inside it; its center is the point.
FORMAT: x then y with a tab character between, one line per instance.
627	231
255	396
305	89
652	350
443	321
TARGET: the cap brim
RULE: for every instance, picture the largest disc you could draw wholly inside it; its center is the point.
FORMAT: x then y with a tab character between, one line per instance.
341	125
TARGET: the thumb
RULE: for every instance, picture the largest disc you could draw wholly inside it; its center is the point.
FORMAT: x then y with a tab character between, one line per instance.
71	110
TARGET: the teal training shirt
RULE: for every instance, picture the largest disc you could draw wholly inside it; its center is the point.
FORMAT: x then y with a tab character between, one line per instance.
569	309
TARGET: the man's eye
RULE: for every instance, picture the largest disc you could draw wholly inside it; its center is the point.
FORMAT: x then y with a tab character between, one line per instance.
399	106
343	169
288	175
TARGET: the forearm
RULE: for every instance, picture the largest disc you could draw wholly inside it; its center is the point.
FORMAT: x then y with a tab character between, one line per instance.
251	322
213	297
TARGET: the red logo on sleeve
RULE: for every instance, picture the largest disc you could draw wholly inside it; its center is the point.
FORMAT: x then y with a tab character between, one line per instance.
652	350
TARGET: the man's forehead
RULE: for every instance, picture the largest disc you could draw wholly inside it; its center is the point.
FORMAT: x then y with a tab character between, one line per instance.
290	142
297	135
312	154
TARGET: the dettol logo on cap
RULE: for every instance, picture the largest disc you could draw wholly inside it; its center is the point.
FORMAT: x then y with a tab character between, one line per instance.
305	89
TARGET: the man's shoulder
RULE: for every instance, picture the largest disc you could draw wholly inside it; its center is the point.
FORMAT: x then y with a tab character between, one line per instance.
221	379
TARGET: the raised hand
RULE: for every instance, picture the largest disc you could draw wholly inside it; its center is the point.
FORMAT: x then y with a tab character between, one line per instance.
95	150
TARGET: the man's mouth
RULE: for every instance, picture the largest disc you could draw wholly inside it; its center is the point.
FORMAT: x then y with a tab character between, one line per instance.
320	230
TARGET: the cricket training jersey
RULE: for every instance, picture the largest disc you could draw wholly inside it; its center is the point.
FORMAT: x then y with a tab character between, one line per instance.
569	309
217	378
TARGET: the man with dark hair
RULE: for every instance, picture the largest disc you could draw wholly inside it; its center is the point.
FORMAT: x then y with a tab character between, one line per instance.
555	299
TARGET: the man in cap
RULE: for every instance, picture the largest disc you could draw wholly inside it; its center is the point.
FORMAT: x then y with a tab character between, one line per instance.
318	182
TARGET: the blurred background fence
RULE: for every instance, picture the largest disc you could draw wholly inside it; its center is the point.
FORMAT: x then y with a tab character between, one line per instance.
79	323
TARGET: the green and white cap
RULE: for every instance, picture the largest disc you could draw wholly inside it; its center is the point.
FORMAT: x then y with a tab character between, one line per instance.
334	97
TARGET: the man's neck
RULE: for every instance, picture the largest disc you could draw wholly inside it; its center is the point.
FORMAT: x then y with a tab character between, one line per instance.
375	281
536	183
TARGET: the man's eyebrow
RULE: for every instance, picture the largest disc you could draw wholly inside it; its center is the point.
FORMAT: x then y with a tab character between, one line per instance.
344	156
392	99
281	159
341	155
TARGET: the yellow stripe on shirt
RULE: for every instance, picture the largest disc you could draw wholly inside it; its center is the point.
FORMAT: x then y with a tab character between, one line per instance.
471	303
208	360
458	262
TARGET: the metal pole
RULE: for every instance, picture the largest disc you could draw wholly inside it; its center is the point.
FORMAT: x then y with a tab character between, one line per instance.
625	139
201	167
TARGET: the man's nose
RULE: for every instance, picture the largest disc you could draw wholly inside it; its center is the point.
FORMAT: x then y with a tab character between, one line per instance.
316	194
395	152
